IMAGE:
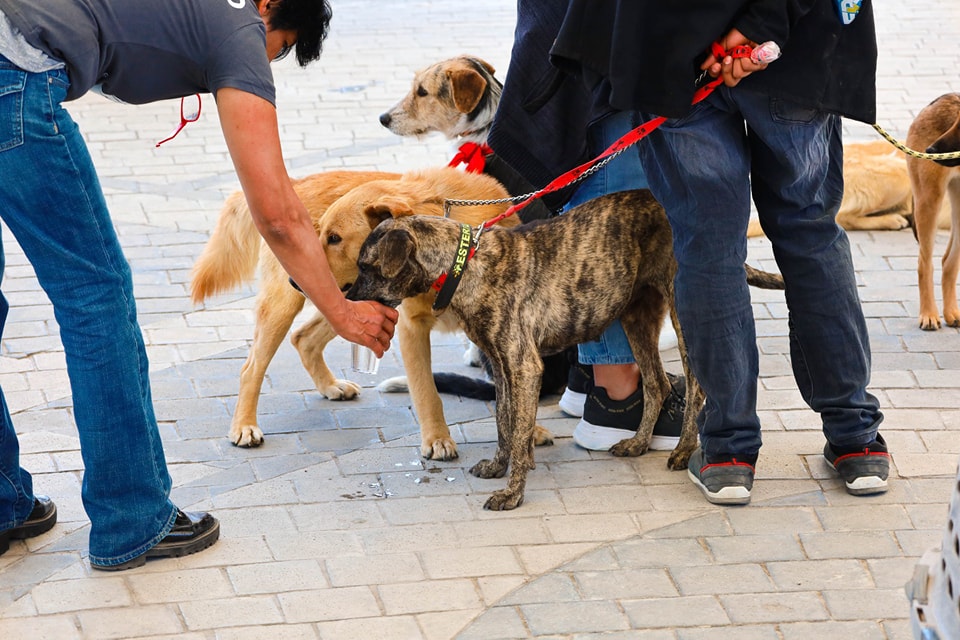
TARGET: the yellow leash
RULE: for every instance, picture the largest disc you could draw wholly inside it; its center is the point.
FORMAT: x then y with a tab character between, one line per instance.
953	155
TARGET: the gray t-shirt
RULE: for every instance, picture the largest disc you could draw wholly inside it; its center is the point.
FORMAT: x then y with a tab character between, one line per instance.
144	50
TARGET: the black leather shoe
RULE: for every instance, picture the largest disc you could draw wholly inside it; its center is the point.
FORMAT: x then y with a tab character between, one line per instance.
40	520
192	532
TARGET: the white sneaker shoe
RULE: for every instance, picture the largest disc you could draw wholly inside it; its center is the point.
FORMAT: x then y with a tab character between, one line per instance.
571	403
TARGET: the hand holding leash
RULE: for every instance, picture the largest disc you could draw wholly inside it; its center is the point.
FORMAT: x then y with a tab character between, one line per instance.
735	57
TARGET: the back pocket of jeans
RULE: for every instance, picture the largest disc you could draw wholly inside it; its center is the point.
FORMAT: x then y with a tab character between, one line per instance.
12	82
787	112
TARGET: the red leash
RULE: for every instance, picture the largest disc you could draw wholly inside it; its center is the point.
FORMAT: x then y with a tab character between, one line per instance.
469	154
627	140
632	137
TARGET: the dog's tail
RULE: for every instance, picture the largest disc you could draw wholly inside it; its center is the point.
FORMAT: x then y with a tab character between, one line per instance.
450	383
763	279
231	254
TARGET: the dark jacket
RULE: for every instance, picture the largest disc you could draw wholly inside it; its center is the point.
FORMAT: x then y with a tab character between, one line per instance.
650	51
541	121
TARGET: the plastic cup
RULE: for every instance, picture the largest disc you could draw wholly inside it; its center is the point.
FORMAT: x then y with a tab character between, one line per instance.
363	359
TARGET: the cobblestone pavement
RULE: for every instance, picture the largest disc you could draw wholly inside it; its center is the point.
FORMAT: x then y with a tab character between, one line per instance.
337	528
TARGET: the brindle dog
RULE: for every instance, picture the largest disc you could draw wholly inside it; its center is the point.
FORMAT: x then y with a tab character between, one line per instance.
538	289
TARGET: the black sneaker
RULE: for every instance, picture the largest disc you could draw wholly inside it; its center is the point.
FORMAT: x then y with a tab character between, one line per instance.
192	532
726	481
41	519
606	422
864	469
579	384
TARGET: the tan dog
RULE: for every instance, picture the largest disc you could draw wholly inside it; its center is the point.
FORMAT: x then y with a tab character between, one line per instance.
337	202
231	257
936	129
876	190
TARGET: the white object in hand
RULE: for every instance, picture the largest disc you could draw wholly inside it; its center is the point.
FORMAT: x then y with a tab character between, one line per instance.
765	53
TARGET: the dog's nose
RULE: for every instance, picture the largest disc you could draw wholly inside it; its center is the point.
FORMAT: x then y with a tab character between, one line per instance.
385	119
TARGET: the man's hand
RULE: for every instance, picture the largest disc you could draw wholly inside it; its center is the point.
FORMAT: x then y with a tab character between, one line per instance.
732	69
368	323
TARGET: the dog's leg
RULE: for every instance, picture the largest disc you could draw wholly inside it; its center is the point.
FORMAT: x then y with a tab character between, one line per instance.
641	322
694	403
413	330
928	190
517	391
951	261
274	310
310	340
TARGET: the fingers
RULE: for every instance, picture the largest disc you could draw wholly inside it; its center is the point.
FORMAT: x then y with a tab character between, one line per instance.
736	69
378	325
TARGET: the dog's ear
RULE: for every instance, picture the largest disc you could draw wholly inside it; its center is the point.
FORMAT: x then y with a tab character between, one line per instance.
468	87
395	248
483	63
385	208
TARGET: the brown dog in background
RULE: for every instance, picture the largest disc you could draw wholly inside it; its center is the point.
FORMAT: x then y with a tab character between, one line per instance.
936	129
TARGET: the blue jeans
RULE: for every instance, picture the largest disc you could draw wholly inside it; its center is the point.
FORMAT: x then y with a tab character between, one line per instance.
702	169
51	199
623	173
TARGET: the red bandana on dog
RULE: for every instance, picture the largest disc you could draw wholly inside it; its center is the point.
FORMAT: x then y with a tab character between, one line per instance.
473	155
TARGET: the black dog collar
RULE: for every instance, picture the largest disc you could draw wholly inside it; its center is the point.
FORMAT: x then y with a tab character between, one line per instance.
448	282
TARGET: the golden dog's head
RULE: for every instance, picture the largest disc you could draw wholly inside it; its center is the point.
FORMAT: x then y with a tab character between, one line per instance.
349	220
456	97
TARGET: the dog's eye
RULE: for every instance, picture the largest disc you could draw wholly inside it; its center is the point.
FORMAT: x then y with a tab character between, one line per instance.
334	239
421	91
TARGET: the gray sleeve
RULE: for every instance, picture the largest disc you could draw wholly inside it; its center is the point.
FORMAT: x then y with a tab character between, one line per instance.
240	62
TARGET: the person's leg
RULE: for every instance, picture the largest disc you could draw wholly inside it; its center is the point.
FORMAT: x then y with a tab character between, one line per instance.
16	484
613	407
698	169
797	186
57	212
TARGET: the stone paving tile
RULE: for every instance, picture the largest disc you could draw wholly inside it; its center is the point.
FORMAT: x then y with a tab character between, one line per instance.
337	528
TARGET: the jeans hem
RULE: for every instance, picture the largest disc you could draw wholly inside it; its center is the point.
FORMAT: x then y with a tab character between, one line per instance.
142	549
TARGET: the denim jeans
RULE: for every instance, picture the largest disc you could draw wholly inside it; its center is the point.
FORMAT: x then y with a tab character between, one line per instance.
51	199
623	173
702	168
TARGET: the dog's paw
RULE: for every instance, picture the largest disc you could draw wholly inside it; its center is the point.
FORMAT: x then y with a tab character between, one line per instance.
439	449
631	447
503	501
247	437
888	222
951	317
341	390
678	459
488	469
542	436
929	322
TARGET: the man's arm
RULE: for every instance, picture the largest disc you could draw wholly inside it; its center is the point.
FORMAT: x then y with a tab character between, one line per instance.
250	129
